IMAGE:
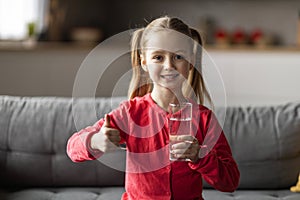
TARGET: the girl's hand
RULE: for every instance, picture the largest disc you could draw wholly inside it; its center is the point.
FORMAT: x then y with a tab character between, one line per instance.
107	139
187	147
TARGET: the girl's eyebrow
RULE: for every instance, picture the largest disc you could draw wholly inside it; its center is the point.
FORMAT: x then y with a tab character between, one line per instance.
157	51
181	51
163	51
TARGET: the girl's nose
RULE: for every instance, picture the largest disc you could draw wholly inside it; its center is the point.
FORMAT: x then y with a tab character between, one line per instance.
168	63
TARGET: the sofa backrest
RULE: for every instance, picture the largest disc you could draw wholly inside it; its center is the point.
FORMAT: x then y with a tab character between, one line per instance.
265	142
33	137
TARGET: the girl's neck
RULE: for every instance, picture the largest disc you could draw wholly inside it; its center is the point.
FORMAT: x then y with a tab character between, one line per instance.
165	97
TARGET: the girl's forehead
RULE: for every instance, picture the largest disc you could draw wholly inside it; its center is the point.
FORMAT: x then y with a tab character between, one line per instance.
171	41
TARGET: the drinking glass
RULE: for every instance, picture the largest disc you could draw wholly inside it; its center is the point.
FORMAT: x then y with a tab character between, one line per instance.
180	118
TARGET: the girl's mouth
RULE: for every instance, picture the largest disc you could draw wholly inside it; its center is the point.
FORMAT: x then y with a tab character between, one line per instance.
170	76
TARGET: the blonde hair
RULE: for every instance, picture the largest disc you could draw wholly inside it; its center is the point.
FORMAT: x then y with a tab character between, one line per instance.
141	84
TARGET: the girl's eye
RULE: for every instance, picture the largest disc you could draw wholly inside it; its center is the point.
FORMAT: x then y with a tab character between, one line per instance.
158	58
179	57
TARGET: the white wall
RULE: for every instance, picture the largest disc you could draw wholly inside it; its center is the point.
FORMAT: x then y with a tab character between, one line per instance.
259	78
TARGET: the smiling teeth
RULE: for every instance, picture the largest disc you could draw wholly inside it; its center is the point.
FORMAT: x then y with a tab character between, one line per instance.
170	76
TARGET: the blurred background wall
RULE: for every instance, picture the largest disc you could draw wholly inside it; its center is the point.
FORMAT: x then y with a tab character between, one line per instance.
264	71
276	18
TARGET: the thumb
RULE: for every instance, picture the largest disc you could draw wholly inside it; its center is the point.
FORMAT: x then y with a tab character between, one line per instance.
107	120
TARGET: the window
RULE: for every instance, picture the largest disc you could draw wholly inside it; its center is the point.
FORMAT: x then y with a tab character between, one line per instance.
15	15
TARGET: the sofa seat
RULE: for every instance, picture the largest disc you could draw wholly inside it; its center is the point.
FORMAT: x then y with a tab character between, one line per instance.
251	195
34	133
114	193
65	193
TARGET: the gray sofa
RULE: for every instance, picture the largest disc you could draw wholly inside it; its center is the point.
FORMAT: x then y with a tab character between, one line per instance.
34	166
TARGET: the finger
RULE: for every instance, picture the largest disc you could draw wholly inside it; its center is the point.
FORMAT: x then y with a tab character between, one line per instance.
111	143
178	151
115	144
181	145
185	138
183	154
107	121
185	148
115	138
112	148
111	132
186	145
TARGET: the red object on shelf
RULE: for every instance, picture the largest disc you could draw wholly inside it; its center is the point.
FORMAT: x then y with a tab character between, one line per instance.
239	36
221	34
256	36
221	38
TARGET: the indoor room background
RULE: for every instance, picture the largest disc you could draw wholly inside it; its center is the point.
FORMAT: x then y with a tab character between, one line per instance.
254	45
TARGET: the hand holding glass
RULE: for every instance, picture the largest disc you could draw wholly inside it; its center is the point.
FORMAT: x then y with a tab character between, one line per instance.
180	130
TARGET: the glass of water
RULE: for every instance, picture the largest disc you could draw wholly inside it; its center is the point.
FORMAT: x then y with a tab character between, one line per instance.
180	122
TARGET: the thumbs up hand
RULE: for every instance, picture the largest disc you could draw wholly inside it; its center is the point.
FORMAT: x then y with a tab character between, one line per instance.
107	139
112	134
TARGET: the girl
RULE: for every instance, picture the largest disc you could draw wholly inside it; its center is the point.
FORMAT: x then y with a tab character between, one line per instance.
166	61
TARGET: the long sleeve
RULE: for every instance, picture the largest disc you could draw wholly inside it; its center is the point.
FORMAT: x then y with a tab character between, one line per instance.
78	147
216	163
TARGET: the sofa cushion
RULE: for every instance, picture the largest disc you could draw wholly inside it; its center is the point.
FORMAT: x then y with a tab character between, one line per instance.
33	138
265	142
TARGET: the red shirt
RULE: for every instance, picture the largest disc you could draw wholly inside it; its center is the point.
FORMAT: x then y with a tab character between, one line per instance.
143	126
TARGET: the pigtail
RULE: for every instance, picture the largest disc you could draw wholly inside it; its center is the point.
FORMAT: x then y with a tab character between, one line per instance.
139	84
196	80
136	47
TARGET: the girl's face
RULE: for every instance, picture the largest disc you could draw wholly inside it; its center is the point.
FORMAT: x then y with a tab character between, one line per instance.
167	59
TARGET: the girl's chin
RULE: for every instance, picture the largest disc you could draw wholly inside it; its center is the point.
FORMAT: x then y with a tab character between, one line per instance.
171	86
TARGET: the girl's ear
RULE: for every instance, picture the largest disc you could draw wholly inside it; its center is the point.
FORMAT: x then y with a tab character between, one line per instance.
143	64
